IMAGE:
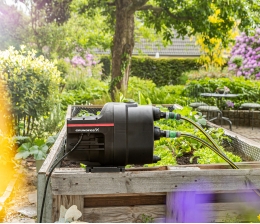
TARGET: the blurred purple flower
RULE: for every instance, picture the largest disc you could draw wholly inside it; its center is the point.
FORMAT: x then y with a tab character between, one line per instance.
77	60
245	55
229	104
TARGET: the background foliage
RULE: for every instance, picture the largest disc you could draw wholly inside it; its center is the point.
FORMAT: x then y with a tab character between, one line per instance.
248	90
32	82
162	72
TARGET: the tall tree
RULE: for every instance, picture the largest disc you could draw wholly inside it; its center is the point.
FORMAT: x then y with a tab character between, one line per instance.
187	17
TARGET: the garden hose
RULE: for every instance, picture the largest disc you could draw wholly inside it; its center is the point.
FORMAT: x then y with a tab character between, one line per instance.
178	116
203	131
219	153
222	155
173	134
171	115
49	175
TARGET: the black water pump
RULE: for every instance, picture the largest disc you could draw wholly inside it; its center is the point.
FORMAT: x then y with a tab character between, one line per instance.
123	133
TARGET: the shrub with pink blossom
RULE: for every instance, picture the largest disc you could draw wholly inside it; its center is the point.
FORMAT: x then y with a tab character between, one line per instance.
245	56
87	61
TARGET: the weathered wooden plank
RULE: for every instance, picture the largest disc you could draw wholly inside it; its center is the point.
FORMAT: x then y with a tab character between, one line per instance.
241	165
54	152
81	183
124	200
47	212
180	207
125	214
67	201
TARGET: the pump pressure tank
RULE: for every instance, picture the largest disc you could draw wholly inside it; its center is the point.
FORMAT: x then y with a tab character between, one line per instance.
123	133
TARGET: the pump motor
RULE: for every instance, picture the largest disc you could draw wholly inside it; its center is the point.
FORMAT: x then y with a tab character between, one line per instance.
123	133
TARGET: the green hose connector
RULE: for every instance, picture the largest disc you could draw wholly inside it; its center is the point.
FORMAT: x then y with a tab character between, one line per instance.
172	134
173	116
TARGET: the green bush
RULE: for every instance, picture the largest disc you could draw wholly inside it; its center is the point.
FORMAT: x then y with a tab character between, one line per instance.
170	71
86	91
32	83
210	72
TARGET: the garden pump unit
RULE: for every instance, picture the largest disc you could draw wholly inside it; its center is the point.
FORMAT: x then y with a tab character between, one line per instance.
123	133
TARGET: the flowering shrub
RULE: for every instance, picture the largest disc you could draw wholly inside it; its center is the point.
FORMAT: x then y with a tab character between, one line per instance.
83	67
245	56
79	61
32	83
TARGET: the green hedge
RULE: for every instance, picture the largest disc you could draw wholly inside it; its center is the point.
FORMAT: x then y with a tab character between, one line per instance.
106	67
169	71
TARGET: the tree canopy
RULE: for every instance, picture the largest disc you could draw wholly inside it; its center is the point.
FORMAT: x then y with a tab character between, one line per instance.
112	24
186	17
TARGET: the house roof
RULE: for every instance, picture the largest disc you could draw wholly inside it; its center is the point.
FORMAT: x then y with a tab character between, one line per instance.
179	48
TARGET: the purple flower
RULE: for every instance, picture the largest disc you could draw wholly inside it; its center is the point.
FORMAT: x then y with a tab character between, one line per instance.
77	60
229	104
245	55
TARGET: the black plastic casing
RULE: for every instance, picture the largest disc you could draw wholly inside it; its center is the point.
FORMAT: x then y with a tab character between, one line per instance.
123	133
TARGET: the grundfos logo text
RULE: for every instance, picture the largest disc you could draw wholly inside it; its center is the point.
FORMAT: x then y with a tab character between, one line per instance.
87	130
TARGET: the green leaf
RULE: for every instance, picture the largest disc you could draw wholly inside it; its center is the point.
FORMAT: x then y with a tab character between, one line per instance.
34	149
24	147
40	155
44	148
22	155
51	140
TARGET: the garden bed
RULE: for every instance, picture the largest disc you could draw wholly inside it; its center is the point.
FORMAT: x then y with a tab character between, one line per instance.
160	194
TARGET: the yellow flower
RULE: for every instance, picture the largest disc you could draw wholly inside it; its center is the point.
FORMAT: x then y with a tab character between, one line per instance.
258	217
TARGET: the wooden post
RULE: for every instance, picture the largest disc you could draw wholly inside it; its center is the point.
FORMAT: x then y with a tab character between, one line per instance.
54	155
67	201
47	212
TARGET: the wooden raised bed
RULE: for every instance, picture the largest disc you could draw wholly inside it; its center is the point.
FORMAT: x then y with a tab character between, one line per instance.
194	193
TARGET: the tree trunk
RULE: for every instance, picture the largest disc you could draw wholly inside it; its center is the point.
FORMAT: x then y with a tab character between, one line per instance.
123	45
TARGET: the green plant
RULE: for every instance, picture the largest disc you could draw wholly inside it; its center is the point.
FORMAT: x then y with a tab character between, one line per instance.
84	113
37	148
147	219
32	83
50	124
231	219
210	72
171	149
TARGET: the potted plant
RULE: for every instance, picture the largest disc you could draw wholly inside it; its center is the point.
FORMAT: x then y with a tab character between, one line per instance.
37	148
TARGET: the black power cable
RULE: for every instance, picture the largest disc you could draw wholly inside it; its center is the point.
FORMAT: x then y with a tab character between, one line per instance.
49	175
